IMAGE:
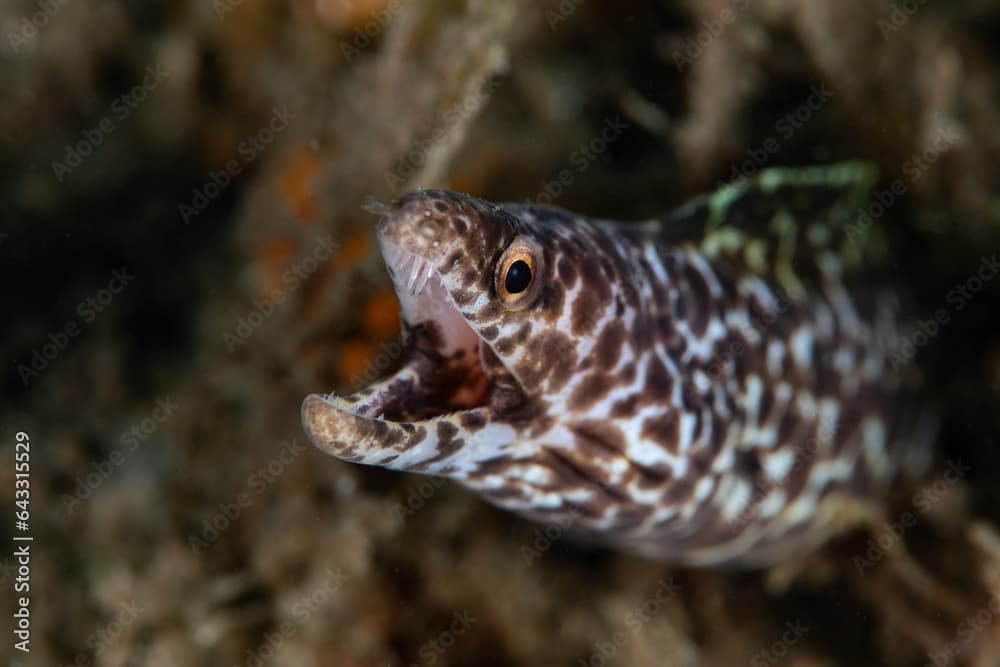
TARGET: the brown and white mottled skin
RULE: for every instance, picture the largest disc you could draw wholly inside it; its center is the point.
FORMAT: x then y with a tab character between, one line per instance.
707	388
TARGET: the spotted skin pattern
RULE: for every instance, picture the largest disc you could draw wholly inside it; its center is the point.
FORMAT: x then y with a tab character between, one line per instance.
709	388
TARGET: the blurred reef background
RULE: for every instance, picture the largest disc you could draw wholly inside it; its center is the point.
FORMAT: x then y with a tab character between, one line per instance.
186	255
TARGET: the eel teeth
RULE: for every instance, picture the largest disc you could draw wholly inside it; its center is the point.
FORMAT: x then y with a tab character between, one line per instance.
414	272
422	283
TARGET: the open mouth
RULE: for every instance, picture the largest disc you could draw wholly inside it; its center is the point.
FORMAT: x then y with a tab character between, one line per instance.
448	368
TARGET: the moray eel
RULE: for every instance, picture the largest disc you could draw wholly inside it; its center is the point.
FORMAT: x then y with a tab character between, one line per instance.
707	388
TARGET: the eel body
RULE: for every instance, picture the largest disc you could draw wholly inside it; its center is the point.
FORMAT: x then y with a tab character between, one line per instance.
708	388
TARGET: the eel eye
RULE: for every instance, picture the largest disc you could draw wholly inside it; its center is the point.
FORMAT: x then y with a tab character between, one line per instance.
518	277
518	273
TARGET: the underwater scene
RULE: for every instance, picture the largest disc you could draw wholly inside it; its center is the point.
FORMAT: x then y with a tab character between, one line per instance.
500	333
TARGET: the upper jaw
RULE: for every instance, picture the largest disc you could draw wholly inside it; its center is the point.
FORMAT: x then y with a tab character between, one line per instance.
409	270
425	299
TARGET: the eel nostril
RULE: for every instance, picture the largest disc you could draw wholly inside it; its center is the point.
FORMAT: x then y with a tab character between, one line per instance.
430	229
